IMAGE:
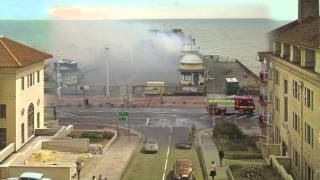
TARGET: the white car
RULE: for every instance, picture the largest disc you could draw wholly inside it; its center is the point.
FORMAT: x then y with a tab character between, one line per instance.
150	145
30	176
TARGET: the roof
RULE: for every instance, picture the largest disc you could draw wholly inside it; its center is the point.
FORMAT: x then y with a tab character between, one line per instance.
231	79
31	175
184	161
14	54
305	33
191	59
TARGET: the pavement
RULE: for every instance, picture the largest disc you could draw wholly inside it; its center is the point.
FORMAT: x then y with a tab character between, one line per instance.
114	163
195	102
167	125
211	153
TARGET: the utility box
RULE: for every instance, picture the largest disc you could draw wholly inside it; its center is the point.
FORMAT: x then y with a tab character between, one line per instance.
231	85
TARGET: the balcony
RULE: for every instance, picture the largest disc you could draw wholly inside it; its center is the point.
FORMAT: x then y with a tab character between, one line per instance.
263	99
263	77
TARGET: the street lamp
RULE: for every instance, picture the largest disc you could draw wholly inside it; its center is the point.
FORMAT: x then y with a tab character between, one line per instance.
78	168
212	79
107	75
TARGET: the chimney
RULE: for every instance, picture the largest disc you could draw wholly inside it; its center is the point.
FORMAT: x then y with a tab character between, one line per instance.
308	8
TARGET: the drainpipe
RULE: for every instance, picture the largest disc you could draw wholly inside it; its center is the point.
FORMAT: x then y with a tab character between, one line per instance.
301	128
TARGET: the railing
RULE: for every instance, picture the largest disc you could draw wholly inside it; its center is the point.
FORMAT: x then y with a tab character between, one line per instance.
263	77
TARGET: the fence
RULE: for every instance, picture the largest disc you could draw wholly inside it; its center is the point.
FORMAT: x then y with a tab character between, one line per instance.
170	90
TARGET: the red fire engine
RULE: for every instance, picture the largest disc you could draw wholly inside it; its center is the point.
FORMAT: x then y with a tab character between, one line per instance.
230	105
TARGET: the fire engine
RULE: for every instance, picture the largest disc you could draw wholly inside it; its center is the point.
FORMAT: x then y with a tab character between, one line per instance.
230	105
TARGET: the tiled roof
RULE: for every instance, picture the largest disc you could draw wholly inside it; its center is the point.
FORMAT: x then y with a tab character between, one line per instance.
14	54
305	33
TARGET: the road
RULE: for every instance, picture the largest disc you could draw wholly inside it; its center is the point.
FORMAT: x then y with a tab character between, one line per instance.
167	126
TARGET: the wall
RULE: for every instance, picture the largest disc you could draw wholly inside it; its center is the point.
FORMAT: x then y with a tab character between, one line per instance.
279	168
191	66
317	66
53	172
7	96
307	152
6	152
67	145
33	94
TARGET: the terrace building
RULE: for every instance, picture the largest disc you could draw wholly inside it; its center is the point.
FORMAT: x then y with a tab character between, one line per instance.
290	93
21	92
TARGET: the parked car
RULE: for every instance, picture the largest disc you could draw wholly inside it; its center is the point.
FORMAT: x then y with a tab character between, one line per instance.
151	145
183	170
30	176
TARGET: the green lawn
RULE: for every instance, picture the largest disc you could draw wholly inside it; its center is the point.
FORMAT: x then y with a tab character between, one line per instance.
151	166
146	166
189	154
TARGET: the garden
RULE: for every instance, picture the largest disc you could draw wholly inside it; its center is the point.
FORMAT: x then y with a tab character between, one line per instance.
235	144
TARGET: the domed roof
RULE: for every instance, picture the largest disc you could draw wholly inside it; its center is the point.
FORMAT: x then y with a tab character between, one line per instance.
191	59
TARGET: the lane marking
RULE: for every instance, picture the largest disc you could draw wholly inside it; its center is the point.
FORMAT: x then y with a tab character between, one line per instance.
254	117
147	121
168	152
205	116
241	116
230	116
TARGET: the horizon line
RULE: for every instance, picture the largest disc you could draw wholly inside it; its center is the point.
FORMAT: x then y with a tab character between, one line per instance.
145	19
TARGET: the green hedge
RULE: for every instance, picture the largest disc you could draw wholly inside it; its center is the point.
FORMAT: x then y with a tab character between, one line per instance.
93	135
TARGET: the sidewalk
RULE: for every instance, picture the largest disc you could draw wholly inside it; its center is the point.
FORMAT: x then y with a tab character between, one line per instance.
211	153
113	164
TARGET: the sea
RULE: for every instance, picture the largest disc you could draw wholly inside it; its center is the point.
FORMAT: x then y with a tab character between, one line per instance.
91	42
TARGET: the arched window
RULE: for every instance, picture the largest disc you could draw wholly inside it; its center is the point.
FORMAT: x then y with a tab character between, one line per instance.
30	120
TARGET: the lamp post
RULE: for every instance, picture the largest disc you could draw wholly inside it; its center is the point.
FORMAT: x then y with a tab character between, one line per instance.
212	86
78	168
107	75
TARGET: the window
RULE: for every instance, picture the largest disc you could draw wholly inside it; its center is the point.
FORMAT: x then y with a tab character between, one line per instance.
28	81
33	79
186	76
295	158
285	86
22	133
308	98
308	134
22	83
276	77
309	173
38	76
3	138
296	89
38	120
30	77
3	111
296	122
277	104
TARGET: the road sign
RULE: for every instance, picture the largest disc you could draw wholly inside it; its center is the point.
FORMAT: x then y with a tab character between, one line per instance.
123	116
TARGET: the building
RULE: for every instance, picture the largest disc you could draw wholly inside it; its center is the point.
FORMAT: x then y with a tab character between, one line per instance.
21	92
290	93
192	71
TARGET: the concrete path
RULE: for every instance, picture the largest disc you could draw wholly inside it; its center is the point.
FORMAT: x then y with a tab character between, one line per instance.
211	153
115	161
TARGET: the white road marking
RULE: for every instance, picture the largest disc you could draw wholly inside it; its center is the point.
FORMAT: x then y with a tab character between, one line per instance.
205	116
147	121
241	116
168	152
254	117
230	116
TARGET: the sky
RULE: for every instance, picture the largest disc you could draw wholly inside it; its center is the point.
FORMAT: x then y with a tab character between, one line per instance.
147	9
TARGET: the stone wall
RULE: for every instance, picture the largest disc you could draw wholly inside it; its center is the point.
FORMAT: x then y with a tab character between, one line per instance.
67	145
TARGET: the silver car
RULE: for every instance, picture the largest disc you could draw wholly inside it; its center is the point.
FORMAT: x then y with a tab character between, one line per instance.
151	145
